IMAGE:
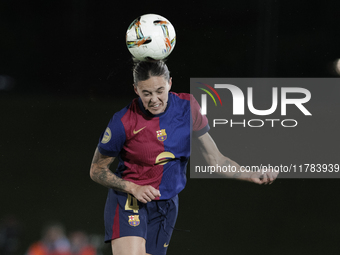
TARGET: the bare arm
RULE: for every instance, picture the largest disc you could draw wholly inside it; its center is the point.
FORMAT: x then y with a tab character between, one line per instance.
100	172
213	156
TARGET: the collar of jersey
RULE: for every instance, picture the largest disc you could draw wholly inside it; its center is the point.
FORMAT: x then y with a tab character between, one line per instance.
140	104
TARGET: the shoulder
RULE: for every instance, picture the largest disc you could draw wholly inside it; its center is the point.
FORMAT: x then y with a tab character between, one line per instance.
180	99
126	112
114	136
181	96
185	101
127	108
184	97
118	121
179	103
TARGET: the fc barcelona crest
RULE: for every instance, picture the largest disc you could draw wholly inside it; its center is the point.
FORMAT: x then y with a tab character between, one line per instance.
134	220
161	135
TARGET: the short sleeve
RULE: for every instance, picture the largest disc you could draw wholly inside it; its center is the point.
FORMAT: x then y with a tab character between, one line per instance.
200	123
113	138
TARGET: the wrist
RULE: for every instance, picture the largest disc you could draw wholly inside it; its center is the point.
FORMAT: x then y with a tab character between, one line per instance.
131	187
243	176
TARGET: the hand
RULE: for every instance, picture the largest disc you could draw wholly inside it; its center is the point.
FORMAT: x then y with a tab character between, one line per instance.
266	176
146	193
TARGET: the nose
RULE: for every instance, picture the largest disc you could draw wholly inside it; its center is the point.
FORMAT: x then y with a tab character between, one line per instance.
153	98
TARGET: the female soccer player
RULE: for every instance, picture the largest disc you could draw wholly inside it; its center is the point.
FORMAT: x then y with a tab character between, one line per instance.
151	138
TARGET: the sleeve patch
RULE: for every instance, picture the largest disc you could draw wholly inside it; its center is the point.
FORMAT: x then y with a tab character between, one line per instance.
106	136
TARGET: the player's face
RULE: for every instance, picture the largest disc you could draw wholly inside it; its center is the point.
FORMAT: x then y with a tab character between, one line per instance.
154	93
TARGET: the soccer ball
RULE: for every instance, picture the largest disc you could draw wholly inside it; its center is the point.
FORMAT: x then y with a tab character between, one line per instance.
150	37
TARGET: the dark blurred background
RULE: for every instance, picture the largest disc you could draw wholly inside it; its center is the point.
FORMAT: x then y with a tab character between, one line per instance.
65	69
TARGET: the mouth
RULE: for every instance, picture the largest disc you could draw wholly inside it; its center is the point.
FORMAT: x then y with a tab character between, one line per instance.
155	106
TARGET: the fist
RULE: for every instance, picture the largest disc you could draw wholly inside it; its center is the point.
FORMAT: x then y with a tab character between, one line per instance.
146	193
264	177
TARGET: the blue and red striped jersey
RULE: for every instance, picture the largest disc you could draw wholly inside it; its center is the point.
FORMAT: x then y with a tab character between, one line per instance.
154	149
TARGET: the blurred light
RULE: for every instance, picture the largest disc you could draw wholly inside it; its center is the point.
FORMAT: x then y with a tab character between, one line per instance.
337	66
6	82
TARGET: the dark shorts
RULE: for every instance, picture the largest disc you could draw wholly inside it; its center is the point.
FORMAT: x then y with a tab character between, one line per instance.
154	221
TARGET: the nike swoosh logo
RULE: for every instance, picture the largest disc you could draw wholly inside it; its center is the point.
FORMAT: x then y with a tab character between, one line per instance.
135	132
166	245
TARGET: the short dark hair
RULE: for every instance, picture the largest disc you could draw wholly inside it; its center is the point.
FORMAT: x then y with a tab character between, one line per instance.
143	70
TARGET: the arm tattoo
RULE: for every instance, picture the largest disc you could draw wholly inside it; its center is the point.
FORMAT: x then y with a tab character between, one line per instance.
101	173
110	180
